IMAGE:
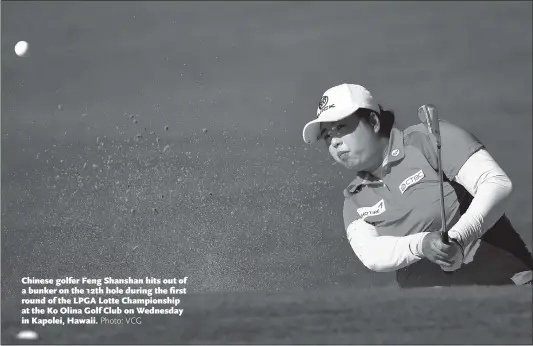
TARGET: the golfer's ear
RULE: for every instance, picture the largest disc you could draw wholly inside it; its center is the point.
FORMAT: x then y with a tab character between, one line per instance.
374	122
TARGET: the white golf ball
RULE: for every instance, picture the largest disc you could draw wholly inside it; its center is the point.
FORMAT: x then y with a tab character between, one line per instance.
27	335
22	49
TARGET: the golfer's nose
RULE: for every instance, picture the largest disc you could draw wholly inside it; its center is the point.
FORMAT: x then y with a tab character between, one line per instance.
335	142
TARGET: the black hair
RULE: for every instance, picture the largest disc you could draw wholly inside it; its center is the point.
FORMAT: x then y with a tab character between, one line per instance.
386	119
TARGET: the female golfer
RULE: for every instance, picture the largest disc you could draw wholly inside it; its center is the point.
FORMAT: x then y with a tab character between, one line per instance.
392	207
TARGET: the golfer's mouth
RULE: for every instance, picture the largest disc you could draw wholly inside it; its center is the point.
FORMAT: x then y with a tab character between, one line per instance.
342	154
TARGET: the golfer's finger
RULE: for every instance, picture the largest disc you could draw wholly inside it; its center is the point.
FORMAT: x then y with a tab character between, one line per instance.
442	246
444	260
441	256
452	251
438	252
444	264
449	250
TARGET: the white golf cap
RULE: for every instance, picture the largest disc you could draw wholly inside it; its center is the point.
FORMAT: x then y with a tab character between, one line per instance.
336	104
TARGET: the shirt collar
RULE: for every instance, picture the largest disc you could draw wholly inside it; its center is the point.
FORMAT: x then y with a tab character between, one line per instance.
395	153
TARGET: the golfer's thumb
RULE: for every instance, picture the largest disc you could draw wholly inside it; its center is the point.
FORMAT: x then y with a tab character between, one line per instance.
455	266
457	262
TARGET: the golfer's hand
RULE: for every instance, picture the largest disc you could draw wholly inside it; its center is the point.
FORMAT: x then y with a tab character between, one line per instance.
448	256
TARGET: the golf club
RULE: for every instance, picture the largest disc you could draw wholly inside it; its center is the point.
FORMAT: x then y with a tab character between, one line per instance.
428	116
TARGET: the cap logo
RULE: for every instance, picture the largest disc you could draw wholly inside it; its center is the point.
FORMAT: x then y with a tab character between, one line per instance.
323	102
322	105
395	152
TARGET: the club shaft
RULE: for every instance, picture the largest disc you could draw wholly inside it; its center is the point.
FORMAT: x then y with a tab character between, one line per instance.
442	210
428	114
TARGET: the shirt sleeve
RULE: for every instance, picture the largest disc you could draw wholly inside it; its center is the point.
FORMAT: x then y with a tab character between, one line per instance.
490	186
349	212
379	253
383	253
457	147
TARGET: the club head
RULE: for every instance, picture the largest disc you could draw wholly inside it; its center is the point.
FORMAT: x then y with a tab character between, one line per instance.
429	117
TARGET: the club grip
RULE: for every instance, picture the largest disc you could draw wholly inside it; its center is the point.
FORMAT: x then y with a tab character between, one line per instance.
444	237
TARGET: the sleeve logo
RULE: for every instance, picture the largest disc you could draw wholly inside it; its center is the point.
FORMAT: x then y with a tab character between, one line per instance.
410	181
377	209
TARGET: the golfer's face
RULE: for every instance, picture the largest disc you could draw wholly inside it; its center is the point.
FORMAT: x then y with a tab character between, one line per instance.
351	142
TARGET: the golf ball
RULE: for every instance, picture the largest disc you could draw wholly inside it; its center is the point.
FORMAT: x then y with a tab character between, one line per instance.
22	48
27	335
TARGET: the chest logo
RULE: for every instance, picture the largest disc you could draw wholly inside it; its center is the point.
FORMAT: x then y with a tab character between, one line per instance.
378	208
410	181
